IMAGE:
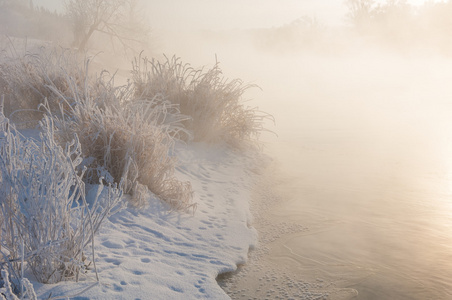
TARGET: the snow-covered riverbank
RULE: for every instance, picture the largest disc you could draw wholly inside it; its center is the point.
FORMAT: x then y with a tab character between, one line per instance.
157	254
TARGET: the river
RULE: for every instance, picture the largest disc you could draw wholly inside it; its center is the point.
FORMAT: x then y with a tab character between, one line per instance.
363	168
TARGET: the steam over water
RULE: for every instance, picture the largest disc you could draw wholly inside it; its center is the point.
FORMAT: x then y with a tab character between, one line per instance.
364	162
365	150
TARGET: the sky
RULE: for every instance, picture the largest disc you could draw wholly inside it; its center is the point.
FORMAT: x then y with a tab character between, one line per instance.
233	14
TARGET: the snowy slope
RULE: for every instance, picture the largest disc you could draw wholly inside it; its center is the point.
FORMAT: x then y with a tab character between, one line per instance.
156	254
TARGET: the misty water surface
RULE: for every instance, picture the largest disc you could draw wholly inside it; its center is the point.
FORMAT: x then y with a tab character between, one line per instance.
365	162
365	148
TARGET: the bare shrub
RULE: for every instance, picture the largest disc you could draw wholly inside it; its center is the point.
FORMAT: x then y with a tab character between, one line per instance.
213	103
43	206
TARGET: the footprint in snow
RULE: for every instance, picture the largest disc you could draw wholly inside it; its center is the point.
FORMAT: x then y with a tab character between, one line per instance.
112	245
179	290
117	288
114	261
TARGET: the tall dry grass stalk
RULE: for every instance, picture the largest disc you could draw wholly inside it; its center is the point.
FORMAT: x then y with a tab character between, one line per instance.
214	104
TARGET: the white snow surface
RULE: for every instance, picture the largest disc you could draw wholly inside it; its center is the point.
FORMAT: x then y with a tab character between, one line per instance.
153	253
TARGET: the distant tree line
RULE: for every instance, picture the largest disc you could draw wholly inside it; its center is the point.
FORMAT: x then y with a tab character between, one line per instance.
397	22
303	34
21	18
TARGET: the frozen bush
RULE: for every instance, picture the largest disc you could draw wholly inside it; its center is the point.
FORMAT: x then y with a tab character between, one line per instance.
43	205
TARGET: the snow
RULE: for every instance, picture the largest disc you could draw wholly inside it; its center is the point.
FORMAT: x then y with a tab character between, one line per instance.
153	253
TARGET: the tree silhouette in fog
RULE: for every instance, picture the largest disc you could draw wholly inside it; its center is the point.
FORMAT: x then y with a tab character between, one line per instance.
118	20
397	23
367	13
360	12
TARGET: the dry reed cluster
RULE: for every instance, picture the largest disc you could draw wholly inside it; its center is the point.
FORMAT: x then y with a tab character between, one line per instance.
96	134
45	219
123	139
25	81
129	142
92	132
214	104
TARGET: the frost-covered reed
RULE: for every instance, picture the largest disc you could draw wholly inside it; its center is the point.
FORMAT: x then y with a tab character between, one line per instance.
214	104
44	207
7	293
94	134
123	139
25	81
129	140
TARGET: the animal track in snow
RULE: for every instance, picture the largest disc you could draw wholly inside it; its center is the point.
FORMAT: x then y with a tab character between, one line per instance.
112	245
114	261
